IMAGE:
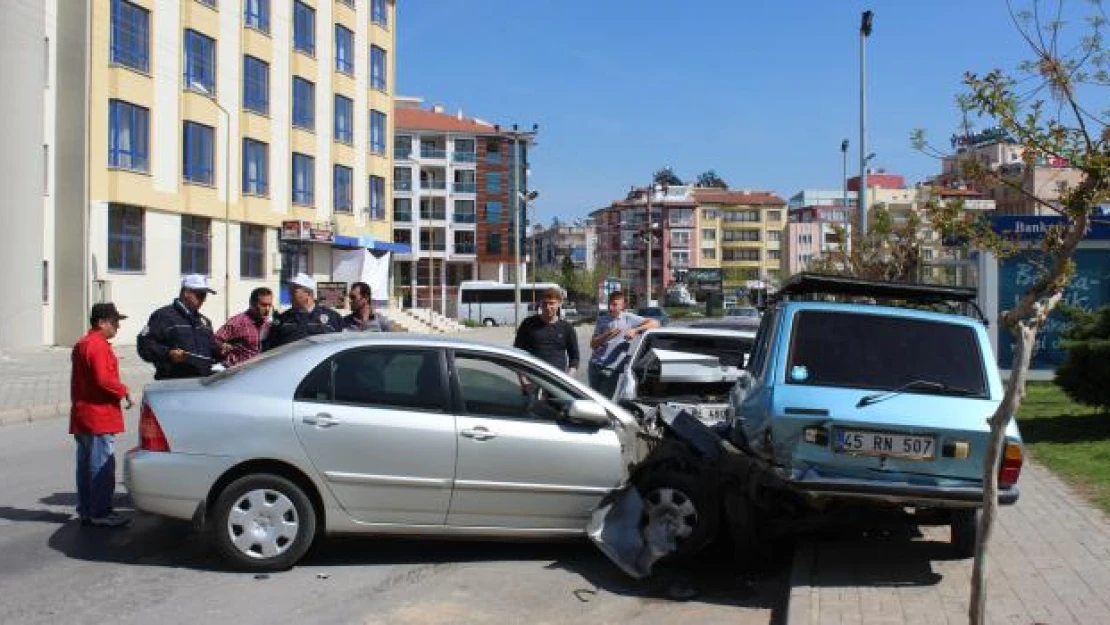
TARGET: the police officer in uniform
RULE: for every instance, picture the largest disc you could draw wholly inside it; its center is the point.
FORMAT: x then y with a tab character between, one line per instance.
179	340
304	318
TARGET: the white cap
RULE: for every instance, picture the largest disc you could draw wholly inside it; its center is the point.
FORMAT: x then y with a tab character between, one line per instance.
304	281
196	282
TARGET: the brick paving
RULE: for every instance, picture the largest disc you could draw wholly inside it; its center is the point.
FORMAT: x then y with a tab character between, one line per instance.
1050	564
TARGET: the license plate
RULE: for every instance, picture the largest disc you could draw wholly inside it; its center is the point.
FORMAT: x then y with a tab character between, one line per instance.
885	444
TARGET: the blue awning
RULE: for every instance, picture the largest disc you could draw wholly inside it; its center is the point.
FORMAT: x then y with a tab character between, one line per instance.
388	246
345	241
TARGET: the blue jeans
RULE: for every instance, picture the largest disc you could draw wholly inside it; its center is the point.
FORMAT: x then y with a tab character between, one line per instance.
602	379
96	474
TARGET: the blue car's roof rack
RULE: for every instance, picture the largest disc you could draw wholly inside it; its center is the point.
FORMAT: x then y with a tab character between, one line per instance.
805	285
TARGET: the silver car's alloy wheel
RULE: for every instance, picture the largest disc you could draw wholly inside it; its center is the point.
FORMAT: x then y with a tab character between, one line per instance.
263	523
673	508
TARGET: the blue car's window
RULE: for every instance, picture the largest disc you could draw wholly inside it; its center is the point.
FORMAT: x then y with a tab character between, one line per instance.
832	348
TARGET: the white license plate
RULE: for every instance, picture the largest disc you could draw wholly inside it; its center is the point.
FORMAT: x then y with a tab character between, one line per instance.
885	444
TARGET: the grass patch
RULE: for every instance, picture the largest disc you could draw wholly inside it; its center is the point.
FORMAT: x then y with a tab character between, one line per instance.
1070	439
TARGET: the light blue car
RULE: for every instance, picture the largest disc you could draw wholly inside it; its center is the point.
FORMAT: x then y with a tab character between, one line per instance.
876	403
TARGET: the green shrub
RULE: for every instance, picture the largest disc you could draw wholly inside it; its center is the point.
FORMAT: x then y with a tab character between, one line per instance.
1085	374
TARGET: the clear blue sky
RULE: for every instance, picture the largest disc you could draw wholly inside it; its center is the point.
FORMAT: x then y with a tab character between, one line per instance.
762	92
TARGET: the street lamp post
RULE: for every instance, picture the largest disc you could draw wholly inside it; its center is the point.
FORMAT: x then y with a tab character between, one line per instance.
649	237
518	195
864	33
844	175
196	86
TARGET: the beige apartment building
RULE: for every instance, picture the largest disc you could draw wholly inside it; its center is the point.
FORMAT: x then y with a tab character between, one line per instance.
740	232
239	139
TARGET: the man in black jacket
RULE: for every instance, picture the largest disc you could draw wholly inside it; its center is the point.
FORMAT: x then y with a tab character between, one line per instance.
304	318
179	340
549	338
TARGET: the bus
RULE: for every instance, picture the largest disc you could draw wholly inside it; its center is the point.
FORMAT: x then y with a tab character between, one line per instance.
491	303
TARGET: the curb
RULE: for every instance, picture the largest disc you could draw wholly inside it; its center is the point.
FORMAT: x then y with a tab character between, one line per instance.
29	414
802	607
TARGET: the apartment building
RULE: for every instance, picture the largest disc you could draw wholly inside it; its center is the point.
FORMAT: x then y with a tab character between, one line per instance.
239	139
549	246
453	183
740	231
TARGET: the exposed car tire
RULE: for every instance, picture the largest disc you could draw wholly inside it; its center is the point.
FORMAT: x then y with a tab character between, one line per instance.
679	498
965	527
263	522
489	323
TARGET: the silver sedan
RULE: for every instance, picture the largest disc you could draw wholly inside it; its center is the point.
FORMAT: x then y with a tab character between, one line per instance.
384	434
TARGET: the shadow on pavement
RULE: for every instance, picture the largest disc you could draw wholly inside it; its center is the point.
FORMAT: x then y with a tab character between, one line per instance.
885	556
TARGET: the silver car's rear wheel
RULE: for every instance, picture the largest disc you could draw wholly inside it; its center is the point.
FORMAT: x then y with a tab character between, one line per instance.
263	523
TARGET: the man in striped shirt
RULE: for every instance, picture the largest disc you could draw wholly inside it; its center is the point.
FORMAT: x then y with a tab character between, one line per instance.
245	332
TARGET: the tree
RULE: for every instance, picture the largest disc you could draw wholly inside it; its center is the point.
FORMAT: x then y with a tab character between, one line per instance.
710	179
1086	370
666	176
1046	107
888	251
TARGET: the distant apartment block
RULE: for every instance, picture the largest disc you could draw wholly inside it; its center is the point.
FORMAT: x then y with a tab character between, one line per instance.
553	245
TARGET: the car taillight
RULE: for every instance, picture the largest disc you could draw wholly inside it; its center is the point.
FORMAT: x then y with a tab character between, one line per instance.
151	436
1011	465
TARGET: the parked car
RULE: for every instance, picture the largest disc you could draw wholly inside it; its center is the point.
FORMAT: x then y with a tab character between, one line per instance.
654	312
688	368
875	403
742	312
389	434
739	324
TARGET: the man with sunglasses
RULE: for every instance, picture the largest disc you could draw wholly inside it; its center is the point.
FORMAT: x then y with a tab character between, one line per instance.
179	340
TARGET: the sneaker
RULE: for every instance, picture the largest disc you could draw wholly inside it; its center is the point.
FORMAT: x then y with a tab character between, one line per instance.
110	520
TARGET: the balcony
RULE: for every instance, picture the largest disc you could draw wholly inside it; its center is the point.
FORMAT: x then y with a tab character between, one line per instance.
402	154
465	187
465	218
438	246
465	248
464	157
434	215
680	244
402	216
402	185
435	185
432	153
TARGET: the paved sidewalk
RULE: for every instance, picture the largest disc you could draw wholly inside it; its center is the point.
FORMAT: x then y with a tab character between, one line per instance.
1050	564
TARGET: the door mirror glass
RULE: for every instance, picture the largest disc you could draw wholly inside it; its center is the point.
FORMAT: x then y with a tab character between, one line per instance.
587	412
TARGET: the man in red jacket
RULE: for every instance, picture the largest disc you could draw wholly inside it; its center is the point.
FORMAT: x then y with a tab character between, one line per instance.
95	417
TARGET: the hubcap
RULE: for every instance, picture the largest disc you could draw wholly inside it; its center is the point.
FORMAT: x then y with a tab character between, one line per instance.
672	508
263	523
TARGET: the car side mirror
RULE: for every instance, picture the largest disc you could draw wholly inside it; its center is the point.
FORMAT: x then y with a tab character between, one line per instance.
587	412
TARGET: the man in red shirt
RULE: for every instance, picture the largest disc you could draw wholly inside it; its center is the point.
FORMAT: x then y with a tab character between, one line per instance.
244	333
95	417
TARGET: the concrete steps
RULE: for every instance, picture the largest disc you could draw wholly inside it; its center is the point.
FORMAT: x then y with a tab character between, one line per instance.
423	321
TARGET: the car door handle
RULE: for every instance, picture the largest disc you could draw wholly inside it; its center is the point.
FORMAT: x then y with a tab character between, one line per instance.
478	433
322	420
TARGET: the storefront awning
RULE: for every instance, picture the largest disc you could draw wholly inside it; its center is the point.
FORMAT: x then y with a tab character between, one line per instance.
345	241
387	246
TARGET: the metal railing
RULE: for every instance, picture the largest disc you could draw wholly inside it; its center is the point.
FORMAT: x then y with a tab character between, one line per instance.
465	218
465	187
433	184
402	215
464	157
430	153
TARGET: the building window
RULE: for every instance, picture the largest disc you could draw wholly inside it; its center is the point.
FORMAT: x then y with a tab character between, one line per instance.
493	150
196	233
128	136
130	35
493	212
774	255
402	209
341	189
774	215
709	253
200	61
493	182
402	147
304	103
708	234
377	197
493	243
774	235
402	235
256	167
377	68
198	150
741	235
344	113
377	132
125	238
303	179
252	251
378	13
256	15
256	85
344	50
304	28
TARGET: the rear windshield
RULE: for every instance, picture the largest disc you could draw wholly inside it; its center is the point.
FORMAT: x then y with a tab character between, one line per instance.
231	372
854	350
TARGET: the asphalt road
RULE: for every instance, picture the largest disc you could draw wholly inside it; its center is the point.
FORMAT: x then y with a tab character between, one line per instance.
159	571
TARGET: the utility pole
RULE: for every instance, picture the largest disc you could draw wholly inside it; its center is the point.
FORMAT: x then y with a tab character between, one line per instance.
864	33
844	175
649	241
514	201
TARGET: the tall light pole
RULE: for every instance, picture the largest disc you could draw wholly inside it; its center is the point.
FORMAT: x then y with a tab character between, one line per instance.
196	86
649	238
844	175
529	136
864	33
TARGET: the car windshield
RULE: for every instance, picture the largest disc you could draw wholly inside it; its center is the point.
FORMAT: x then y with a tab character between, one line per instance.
731	351
853	350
